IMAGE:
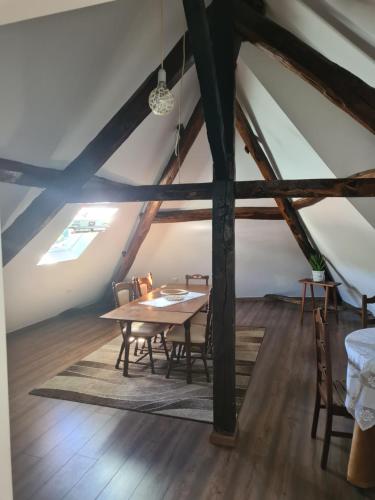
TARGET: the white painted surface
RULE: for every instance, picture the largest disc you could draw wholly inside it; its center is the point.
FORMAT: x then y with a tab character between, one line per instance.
5	469
12	11
341	232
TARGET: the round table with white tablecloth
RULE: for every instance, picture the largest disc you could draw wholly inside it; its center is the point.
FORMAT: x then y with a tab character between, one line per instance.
360	402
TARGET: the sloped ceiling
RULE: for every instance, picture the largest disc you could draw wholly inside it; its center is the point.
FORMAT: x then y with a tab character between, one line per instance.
64	76
12	11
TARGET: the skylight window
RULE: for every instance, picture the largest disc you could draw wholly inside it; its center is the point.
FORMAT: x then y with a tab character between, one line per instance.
84	228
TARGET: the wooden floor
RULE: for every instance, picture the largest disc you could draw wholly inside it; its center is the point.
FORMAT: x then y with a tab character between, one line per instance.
69	450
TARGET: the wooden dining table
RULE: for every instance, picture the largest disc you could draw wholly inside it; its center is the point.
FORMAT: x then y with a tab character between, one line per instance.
178	313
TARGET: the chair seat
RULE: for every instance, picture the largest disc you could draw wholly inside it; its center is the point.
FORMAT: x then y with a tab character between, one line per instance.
199	319
197	334
140	329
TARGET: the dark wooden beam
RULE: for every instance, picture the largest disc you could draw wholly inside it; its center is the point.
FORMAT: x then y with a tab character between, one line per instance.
307	202
291	188
265	167
43	209
257	213
170	172
344	89
215	53
23	174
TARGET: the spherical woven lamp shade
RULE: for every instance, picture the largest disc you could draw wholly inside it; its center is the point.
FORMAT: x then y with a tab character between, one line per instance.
161	100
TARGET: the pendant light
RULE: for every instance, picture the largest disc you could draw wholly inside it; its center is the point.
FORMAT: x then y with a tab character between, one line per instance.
161	100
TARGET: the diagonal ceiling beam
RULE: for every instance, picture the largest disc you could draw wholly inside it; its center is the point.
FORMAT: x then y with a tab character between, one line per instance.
301	235
170	172
92	158
344	89
285	206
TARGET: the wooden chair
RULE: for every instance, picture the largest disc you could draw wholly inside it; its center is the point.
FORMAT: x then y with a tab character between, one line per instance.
330	394
365	319
200	335
123	294
196	277
143	284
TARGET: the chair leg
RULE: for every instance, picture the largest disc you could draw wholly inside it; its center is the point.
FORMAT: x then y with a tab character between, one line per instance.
179	352
117	365
173	353
150	354
164	345
135	347
204	359
316	414
327	439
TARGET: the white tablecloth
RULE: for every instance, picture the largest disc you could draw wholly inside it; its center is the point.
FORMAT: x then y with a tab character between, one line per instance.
360	378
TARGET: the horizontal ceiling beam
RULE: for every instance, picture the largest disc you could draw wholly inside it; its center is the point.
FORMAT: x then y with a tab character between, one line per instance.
257	213
339	85
293	188
307	202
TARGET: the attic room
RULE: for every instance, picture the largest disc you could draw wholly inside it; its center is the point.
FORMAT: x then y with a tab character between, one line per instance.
187	289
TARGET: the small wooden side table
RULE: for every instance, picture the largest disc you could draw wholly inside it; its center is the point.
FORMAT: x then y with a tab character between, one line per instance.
328	286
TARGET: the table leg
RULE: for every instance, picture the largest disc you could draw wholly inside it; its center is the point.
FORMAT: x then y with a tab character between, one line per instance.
188	351
312	295
334	291
303	301
326	288
361	467
127	348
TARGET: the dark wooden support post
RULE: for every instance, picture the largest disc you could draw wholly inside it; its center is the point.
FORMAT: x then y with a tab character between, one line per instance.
214	54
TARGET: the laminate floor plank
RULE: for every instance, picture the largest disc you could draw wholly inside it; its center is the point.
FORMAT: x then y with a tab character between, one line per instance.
73	451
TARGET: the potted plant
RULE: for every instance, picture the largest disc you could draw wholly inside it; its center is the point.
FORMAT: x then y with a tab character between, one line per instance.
318	267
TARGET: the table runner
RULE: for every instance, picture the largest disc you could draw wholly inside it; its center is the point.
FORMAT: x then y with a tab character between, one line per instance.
163	302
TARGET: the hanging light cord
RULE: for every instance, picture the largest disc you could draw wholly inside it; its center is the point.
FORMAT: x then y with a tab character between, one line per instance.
178	136
162	33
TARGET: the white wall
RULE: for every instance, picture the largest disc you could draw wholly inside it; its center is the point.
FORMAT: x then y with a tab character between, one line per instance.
5	468
343	232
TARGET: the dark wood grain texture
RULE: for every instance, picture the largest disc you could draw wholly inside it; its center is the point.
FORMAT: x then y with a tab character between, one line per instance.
285	206
263	213
341	87
291	188
215	53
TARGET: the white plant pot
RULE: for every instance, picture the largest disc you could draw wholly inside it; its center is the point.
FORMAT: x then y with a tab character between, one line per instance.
318	275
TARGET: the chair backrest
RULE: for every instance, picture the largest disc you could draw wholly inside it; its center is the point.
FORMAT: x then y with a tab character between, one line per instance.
143	284
123	293
323	357
196	277
365	319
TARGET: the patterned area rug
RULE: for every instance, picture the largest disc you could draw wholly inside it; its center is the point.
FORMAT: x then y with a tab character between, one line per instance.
94	380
